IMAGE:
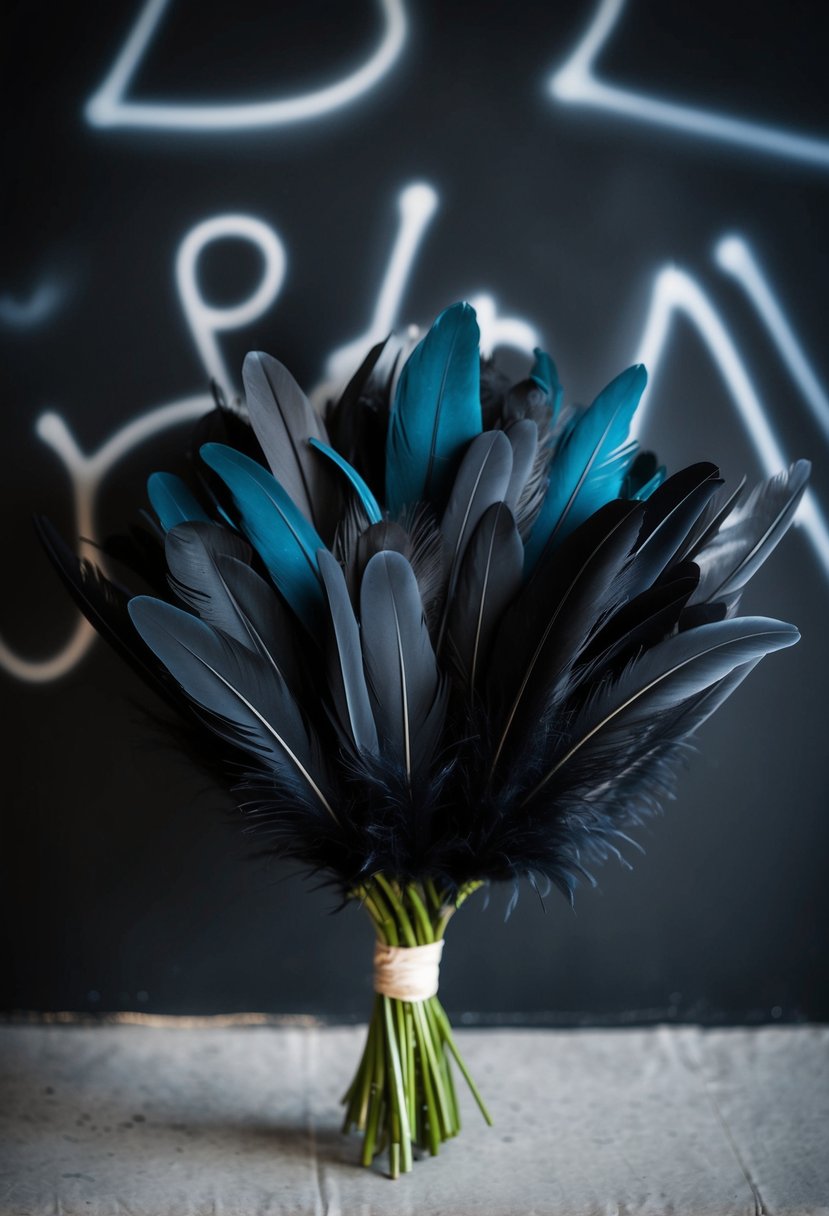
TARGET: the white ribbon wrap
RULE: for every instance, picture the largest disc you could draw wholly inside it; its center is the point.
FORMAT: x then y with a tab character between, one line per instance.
407	973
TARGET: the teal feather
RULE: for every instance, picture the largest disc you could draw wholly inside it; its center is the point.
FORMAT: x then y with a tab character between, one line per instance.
173	502
277	529
590	464
545	373
436	411
367	499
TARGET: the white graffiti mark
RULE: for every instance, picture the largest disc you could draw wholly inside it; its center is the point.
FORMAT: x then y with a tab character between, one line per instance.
502	331
204	319
33	312
86	474
676	292
576	83
416	205
736	258
109	106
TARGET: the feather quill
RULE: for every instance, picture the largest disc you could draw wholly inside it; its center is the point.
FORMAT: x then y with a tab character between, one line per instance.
523	437
643	621
192	551
269	625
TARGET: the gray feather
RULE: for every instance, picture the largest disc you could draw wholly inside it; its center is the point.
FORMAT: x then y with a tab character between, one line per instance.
407	693
251	706
346	677
284	420
192	551
749	534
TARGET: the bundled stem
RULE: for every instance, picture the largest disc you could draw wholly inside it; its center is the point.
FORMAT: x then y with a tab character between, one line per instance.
403	1093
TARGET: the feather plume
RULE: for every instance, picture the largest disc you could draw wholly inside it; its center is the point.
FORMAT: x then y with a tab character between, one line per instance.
436	412
482	480
250	706
670	513
590	463
405	685
346	677
658	681
284	420
192	551
173	502
281	535
488	579
547	625
749	533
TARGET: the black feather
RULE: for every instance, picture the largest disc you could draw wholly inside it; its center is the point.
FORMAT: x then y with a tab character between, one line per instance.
546	627
489	578
407	693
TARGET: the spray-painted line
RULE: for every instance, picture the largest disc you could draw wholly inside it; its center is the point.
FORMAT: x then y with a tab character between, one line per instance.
676	292
576	83
110	107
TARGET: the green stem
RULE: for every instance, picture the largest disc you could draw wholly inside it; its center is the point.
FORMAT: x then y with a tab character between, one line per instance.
421	915
450	1043
403	1092
400	1106
397	907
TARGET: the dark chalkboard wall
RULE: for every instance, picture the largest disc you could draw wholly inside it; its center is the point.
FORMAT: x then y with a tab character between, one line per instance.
668	199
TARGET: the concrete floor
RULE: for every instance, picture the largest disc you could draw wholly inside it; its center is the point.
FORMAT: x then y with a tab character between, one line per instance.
191	1121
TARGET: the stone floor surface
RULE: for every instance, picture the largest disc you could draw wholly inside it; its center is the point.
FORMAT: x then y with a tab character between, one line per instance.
147	1121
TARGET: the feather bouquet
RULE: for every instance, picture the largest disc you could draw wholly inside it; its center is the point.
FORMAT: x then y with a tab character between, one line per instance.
457	632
